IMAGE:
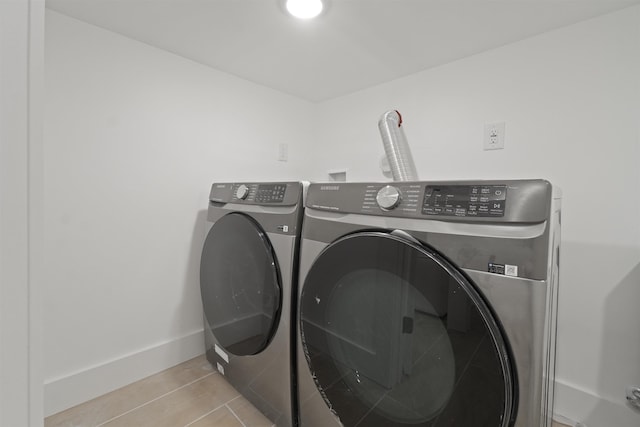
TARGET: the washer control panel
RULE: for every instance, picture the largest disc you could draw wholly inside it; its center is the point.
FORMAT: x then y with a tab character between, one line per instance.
465	200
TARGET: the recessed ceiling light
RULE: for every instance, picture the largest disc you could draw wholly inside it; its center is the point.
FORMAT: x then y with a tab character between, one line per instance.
304	9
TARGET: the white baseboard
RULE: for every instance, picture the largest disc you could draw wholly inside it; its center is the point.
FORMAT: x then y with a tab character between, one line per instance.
68	391
578	407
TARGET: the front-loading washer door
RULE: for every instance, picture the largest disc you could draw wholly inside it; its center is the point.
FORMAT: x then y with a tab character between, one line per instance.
240	285
395	335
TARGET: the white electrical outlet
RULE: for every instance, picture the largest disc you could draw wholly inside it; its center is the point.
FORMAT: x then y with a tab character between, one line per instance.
494	136
283	152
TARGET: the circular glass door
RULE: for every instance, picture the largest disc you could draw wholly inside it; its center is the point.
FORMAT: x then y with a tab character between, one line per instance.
240	285
395	335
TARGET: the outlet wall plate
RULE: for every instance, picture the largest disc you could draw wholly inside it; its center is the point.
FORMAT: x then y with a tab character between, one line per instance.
494	136
283	152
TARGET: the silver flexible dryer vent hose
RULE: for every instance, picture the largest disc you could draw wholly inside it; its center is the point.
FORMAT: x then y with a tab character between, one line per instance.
396	147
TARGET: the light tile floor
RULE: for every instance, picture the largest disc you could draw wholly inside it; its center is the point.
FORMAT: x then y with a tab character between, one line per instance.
190	394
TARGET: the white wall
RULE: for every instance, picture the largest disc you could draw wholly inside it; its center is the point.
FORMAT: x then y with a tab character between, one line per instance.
21	74
134	136
571	102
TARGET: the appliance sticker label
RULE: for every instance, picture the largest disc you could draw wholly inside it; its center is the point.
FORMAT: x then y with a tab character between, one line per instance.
220	368
504	269
220	352
496	268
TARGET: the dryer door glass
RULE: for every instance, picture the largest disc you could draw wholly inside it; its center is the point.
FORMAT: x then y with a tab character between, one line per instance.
240	285
395	335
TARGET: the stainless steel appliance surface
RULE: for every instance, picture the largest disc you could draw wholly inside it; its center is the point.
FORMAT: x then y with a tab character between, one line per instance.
428	304
248	289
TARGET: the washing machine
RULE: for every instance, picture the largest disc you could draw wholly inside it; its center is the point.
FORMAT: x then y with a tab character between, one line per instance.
428	304
247	269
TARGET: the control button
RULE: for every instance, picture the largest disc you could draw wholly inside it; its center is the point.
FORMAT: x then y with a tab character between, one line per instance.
496	208
388	197
242	192
498	193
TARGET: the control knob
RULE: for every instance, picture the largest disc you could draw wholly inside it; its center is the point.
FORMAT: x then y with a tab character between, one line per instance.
242	192
388	197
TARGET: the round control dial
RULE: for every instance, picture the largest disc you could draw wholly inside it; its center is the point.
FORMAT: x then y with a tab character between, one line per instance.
388	197
242	192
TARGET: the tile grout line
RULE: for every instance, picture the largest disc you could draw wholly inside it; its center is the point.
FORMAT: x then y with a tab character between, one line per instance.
235	398
205	415
157	398
234	413
211	412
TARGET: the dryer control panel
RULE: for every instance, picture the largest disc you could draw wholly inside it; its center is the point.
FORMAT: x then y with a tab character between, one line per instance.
271	193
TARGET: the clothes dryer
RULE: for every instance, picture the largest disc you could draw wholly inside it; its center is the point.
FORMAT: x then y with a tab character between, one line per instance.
247	273
428	304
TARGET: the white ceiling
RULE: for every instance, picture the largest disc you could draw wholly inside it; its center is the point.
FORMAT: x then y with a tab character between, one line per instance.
353	45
